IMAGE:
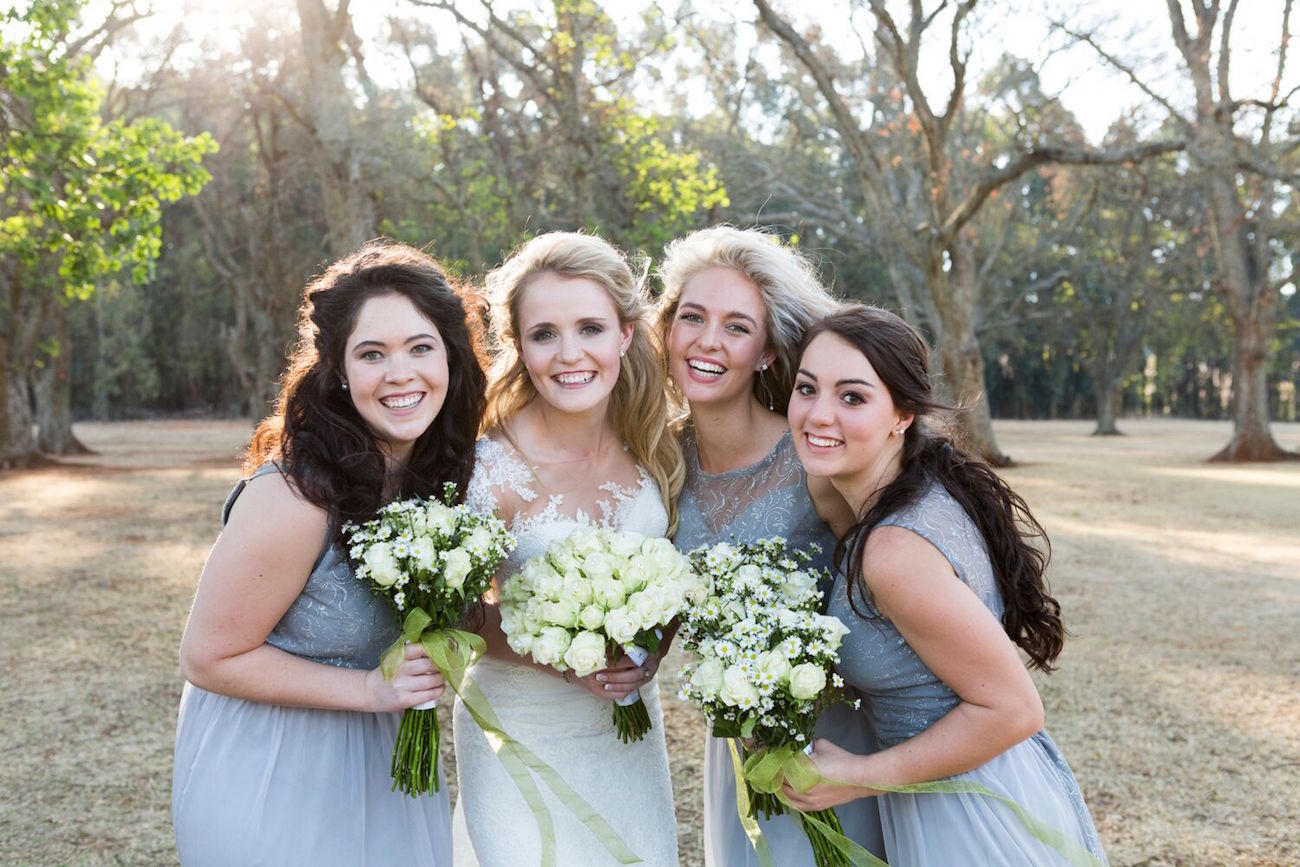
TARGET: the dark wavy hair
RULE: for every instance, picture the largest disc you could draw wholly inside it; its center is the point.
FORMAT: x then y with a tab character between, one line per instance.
321	443
1031	616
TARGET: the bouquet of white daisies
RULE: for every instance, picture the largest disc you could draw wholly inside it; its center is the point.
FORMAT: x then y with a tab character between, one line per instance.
431	561
764	668
593	595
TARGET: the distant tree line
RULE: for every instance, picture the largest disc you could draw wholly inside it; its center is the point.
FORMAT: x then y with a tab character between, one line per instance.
155	233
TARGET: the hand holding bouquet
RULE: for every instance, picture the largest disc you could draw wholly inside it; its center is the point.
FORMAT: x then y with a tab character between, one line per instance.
431	561
592	595
764	671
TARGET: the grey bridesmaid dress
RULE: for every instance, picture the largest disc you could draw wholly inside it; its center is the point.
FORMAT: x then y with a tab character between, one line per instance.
904	698
768	498
267	784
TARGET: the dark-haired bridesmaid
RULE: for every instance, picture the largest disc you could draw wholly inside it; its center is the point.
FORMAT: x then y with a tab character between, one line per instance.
286	726
944	584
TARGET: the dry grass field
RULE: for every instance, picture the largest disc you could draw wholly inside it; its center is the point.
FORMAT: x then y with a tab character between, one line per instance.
1177	700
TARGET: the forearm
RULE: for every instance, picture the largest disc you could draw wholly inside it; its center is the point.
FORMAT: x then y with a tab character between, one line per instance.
967	737
272	676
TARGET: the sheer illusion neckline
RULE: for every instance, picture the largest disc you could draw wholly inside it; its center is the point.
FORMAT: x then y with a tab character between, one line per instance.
761	464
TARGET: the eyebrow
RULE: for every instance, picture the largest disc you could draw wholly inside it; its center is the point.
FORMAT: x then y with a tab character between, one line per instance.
733	313
840	382
411	339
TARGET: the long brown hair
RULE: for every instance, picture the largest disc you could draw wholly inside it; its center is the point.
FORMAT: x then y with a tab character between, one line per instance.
316	435
1031	616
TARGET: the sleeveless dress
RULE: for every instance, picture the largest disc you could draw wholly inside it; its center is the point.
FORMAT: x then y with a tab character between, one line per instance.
267	784
768	498
571	729
905	698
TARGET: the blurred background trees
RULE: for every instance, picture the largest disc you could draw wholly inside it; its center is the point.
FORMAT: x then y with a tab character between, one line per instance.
171	177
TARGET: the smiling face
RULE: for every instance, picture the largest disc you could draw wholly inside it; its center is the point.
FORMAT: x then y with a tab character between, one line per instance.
570	339
844	420
395	367
717	339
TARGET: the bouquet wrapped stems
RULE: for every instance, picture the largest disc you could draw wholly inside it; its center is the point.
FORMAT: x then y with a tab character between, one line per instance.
631	717
415	755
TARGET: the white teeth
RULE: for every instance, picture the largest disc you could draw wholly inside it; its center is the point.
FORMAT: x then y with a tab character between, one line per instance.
402	402
706	367
576	378
822	442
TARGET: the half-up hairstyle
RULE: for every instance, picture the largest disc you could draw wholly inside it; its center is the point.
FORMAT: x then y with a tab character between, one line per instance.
639	402
317	437
793	297
1031	616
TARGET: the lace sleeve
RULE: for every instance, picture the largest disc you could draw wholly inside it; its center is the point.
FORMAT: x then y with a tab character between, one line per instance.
495	471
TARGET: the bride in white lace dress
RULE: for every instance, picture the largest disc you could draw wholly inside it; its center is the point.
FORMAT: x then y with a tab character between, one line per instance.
577	436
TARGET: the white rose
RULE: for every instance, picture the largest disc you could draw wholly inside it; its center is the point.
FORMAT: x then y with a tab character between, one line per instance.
832	629
736	689
550	645
563	613
637	573
598	565
707	676
577	589
549	583
586	653
624	545
647	605
439	518
806	680
733	610
799	584
622	625
774	663
521	643
479	539
591	617
608	592
458	564
586	542
383	567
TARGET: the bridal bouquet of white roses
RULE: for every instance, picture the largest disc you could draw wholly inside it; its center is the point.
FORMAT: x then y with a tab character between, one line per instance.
764	668
593	595
431	561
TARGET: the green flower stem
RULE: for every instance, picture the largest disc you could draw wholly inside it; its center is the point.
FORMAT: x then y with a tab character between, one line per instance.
632	721
415	756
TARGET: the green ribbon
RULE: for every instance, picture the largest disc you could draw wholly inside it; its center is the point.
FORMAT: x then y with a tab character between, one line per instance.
768	769
454	651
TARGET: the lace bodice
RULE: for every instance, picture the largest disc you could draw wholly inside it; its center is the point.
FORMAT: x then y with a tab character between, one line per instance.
547	518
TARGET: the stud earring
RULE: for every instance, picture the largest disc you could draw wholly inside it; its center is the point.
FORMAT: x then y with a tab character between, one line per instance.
898	431
345	385
763	367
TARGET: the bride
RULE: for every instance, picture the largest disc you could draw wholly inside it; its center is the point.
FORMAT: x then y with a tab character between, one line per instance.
576	436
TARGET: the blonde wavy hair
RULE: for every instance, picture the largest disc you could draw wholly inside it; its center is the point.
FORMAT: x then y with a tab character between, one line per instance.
639	402
793	296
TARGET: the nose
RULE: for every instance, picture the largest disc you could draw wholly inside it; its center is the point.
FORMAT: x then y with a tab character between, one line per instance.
570	350
822	410
398	368
710	336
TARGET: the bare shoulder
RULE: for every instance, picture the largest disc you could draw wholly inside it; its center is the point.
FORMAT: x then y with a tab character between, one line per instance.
271	511
904	571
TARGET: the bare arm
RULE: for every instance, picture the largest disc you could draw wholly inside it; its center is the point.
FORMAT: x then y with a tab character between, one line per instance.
965	646
256	570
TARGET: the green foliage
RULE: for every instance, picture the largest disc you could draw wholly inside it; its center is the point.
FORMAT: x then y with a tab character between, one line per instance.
87	193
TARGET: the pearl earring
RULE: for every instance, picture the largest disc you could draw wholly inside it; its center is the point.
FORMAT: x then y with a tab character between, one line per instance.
345	386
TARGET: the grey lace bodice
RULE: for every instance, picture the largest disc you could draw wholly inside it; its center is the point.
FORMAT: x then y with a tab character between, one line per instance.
905	697
336	619
768	498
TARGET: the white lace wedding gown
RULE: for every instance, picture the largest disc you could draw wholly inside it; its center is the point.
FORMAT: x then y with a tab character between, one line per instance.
568	727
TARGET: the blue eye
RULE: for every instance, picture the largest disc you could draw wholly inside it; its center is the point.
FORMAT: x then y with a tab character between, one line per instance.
371	355
736	328
804	389
592	328
541	335
691	317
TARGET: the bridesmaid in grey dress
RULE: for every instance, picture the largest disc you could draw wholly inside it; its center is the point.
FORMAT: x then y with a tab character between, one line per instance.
286	726
944	585
734	309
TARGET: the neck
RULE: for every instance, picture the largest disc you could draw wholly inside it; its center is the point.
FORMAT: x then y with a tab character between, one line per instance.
862	488
555	435
734	434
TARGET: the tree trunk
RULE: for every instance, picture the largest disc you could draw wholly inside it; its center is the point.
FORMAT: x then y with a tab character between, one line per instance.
17	443
1106	391
1251	438
52	389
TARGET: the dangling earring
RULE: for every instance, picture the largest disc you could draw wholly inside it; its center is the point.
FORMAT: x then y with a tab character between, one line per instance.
767	391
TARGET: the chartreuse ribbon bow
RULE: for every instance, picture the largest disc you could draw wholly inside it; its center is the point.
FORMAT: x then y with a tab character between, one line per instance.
453	651
769	768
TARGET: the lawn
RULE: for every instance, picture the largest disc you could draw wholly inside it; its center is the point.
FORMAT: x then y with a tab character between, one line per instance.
1177	700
